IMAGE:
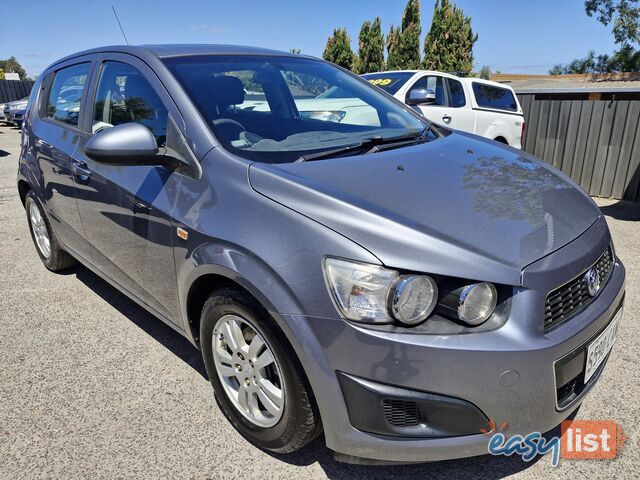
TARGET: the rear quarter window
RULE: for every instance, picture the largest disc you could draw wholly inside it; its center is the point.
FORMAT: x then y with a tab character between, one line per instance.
489	96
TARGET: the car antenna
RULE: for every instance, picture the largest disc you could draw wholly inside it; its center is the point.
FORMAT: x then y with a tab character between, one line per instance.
119	24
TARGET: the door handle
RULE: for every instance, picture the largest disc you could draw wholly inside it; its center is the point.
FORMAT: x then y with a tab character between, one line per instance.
81	170
446	119
140	207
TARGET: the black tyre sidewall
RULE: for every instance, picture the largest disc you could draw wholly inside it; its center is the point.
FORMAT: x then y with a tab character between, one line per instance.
274	438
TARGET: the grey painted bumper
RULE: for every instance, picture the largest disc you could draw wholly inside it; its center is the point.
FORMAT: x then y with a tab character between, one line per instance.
507	373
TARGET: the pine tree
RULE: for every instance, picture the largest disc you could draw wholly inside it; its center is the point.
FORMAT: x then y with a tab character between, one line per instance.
448	46
370	47
393	41
338	49
409	47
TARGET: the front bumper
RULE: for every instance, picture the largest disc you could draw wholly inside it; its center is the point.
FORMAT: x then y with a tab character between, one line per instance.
508	373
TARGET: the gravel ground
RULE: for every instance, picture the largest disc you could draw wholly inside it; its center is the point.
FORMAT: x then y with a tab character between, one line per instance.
92	386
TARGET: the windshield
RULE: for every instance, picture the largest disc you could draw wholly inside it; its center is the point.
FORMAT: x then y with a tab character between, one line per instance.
390	82
277	109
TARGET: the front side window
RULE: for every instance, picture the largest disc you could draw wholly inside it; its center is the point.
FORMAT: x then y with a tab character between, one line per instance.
436	85
489	96
457	93
125	96
281	108
63	104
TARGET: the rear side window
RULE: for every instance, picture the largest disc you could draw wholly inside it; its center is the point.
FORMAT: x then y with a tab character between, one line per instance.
63	104
125	96
489	96
457	93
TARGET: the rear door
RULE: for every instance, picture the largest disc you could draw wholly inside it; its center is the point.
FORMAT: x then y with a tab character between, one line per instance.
55	131
462	115
126	210
439	111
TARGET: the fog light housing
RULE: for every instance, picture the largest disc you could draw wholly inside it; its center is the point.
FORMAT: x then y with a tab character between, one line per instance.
477	303
412	298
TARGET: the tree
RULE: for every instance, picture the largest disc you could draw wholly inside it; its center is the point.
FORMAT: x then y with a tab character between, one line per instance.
627	59
485	72
295	50
338	49
624	14
1	74
404	53
11	65
449	44
393	41
370	47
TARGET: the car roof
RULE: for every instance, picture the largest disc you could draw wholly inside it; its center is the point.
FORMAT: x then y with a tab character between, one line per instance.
179	50
414	72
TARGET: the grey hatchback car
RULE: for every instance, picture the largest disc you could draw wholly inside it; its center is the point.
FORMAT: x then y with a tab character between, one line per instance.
343	264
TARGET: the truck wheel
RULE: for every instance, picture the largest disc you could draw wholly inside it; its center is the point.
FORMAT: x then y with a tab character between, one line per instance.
47	246
257	380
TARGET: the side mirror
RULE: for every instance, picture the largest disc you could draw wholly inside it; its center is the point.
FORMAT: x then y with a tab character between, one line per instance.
421	96
125	144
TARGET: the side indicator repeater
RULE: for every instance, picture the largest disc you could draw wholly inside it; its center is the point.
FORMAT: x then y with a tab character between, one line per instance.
182	233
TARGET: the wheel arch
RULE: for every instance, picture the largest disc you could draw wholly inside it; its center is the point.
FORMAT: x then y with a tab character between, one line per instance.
208	278
23	190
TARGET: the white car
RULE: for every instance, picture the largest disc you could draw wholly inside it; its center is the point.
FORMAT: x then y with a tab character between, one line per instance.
482	107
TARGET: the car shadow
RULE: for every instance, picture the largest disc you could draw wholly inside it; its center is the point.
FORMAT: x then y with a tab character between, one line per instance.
150	324
622	210
486	466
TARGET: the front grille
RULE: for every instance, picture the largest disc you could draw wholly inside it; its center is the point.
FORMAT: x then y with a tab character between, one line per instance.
567	300
401	413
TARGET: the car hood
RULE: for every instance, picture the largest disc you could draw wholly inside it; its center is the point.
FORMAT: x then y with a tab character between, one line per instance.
461	206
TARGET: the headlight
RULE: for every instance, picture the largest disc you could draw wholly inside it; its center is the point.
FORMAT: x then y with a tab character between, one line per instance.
477	303
324	115
360	290
413	298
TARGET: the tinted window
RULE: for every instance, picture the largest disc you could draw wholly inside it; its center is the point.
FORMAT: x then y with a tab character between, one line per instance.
308	106
489	96
457	93
66	90
390	82
125	96
433	83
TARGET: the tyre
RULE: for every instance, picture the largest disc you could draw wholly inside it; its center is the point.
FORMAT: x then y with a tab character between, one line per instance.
257	380
44	239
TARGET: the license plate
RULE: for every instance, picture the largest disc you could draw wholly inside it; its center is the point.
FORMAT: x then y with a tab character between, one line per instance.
601	346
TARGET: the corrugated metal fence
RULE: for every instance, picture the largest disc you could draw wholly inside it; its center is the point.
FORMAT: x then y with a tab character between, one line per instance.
594	137
11	90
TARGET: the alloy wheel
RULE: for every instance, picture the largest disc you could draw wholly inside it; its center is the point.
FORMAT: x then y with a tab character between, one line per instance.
248	370
40	231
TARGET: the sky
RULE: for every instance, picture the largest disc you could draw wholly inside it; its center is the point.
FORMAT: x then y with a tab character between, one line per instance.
514	36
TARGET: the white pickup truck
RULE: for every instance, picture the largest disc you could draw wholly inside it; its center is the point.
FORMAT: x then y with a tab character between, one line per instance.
486	108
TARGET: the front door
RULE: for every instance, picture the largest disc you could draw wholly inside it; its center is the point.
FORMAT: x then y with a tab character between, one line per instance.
126	210
438	111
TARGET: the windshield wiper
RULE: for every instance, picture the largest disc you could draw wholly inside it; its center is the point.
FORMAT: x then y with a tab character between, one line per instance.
367	145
